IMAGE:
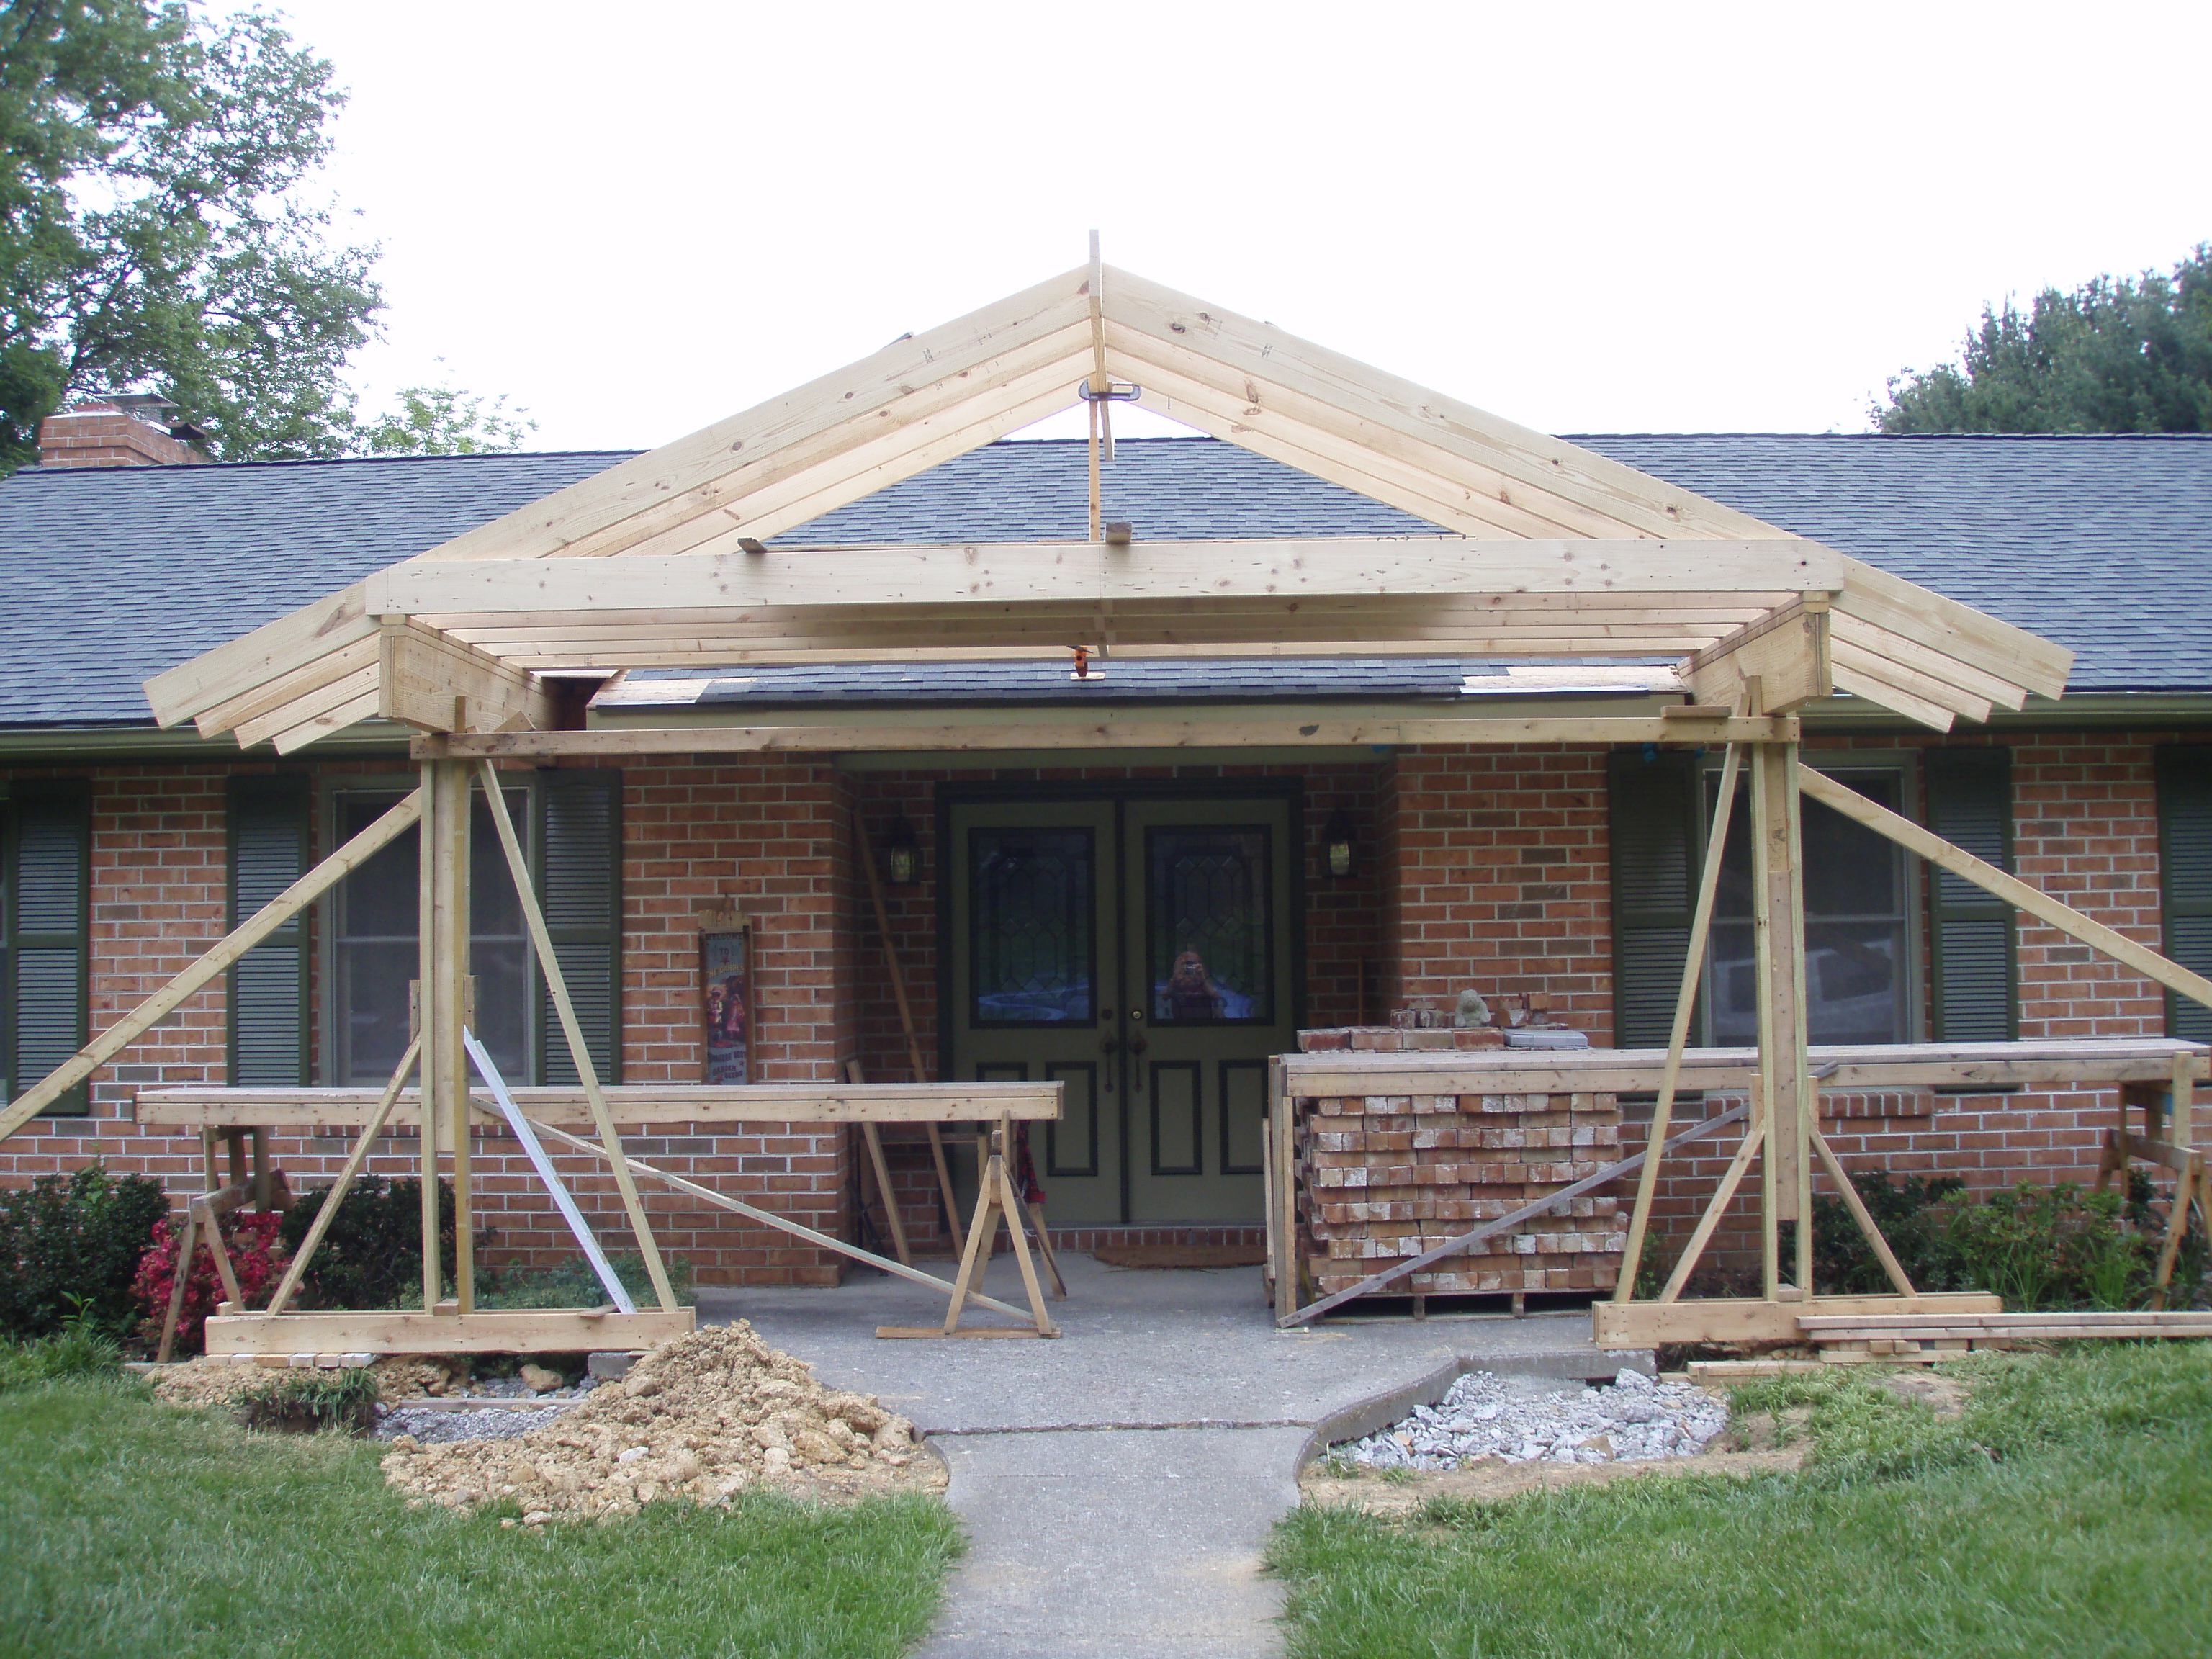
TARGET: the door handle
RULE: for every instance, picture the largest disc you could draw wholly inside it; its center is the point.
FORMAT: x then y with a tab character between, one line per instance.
1109	1046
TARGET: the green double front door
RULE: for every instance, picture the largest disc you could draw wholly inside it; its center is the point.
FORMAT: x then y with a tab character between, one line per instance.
1140	951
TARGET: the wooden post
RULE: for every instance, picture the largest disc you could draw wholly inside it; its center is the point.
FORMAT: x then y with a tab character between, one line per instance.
426	1002
1283	1143
881	1169
1685	1000
1778	913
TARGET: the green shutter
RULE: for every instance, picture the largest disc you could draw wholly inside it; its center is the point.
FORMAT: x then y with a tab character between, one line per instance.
1653	797
579	885
46	858
2185	847
268	820
1973	935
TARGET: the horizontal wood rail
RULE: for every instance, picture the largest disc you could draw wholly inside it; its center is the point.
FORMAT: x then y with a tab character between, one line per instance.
632	1104
1839	1069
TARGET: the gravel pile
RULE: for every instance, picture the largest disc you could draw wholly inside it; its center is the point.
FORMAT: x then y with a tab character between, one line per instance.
426	1427
1633	1419
699	1420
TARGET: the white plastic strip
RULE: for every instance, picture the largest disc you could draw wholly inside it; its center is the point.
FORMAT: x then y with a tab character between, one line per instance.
520	1125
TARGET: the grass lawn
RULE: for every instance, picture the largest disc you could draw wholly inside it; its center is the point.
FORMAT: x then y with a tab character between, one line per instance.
2067	1511
136	1528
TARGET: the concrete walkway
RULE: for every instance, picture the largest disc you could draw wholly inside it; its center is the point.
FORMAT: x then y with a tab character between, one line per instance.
1118	1485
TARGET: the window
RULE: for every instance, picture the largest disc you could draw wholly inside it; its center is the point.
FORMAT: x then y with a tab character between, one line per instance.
45	861
1860	918
2184	838
569	825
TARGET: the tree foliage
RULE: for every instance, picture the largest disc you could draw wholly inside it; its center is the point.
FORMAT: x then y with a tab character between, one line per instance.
2117	355
157	229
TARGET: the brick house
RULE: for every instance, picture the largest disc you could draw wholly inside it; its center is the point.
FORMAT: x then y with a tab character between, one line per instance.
1043	905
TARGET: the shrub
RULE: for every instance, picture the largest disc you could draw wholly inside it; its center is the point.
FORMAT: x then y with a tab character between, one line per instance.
372	1257
255	1258
70	1244
2038	1247
311	1400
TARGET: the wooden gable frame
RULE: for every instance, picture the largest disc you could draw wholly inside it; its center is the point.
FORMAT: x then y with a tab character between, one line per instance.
1542	550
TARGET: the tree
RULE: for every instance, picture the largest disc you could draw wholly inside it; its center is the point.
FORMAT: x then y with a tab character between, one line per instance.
2117	354
155	230
435	420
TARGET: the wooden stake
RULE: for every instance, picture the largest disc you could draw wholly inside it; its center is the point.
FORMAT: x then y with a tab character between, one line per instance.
1857	1206
2189	1187
1711	1218
242	938
1686	1001
855	1073
354	1159
580	1053
177	1285
213	1227
868	856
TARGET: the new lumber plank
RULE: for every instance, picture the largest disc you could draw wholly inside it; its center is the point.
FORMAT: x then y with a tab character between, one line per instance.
556	1330
1732	1319
630	1104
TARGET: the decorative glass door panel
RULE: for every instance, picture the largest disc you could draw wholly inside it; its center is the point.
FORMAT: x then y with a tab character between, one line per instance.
1139	951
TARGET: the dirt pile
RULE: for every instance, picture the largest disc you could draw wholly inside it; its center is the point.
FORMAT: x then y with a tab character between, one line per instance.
699	1420
218	1383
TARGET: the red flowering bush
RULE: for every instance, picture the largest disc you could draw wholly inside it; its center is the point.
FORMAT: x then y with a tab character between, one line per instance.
255	1256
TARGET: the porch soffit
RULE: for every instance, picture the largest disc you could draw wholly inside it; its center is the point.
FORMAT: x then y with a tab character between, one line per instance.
1543	548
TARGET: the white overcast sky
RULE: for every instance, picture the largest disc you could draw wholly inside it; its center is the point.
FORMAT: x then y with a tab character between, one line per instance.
634	219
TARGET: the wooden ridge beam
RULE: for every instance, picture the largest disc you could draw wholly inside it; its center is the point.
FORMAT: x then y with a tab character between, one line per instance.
1113	733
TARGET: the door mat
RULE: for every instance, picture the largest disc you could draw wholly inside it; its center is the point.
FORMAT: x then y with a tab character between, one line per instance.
1180	1255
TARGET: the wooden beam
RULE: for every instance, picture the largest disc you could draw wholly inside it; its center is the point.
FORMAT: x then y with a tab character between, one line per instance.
632	1104
579	1052
1032	572
1980	641
335	1195
1733	1320
329	724
215	960
1784	1071
551	1330
1145	318
1869	665
1786	654
440	684
2053	912
268	652
1895	649
1104	734
287	687
1886	694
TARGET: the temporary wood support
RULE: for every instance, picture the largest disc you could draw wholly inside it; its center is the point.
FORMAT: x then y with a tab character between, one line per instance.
336	1195
220	957
580	1053
897	973
768	1218
1778	932
879	1166
442	1007
995	1197
551	1330
1686	1002
1755	1319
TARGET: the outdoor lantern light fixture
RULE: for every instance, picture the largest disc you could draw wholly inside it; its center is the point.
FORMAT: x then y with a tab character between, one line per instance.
1339	847
901	854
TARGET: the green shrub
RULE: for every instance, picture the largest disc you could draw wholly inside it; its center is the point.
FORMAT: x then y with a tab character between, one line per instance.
344	1398
69	1246
574	1285
2039	1248
372	1257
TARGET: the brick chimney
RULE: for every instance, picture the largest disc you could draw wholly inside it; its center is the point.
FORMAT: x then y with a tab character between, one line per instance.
97	433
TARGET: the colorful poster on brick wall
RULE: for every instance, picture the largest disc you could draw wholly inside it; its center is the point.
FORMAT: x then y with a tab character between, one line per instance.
724	972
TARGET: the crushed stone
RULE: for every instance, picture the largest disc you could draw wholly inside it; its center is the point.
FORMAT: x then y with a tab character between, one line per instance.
700	1419
431	1427
219	1383
1484	1417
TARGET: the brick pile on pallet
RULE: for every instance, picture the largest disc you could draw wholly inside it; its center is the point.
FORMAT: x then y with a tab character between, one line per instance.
1384	1177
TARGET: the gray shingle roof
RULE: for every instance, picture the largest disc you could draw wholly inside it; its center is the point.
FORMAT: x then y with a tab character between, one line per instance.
109	576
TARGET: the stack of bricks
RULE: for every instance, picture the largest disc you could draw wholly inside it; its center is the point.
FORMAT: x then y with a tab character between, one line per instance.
1384	1177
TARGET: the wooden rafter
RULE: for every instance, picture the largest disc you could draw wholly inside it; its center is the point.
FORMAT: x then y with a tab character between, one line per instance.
652	562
